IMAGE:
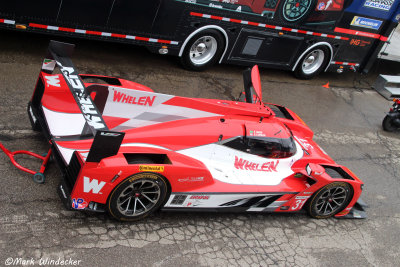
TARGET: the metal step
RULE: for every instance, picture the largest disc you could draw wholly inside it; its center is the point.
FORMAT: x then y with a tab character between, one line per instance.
388	86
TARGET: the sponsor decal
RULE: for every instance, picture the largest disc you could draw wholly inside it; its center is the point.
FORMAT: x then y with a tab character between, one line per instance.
110	134
94	185
299	203
191	179
302	197
366	23
89	111
48	64
243	164
357	42
257	133
199	197
79	203
304	143
52	80
379	4
215	6
143	100
230	1
321	6
397	17
145	168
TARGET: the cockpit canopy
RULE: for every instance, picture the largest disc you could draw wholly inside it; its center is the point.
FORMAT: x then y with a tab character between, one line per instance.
268	147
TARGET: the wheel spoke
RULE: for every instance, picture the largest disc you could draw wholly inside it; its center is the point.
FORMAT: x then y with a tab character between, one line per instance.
125	200
127	206
142	204
330	206
326	206
336	202
152	201
134	207
322	206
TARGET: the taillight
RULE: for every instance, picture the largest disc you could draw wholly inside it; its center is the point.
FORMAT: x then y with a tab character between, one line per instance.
396	100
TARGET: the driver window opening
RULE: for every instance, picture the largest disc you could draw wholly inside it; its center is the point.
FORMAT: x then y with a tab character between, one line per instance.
264	146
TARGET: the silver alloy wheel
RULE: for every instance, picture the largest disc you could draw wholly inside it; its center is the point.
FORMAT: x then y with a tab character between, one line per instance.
295	9
203	50
313	61
139	197
331	200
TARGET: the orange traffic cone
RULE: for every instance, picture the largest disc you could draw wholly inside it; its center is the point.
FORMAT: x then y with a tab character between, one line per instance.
326	85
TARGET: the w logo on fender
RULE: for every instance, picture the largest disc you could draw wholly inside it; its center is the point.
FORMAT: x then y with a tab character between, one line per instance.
93	185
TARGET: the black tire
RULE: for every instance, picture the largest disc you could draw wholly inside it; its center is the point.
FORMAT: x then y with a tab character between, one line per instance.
290	14
387	124
209	46
329	200
312	63
128	201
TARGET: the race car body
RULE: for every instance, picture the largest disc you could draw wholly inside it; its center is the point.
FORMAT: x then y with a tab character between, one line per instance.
127	150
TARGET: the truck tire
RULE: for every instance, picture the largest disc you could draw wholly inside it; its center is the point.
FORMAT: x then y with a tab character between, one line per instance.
312	63
203	50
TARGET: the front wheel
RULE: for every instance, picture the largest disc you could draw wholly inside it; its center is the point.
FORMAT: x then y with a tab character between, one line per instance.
329	200
388	124
312	63
203	50
137	196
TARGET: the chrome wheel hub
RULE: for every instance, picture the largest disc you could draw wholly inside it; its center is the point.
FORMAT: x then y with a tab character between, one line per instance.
313	61
203	50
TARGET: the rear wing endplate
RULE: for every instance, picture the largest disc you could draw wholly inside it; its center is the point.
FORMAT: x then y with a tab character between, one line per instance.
106	143
59	56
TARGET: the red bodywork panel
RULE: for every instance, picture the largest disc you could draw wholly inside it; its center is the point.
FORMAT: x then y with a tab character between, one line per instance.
199	140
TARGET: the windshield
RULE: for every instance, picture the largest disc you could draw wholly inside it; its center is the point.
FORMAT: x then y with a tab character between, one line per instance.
267	147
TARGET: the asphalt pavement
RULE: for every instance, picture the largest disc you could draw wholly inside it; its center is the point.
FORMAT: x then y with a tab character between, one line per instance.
346	119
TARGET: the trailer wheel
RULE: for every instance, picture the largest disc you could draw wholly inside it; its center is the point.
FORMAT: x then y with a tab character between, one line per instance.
137	196
329	200
312	63
203	50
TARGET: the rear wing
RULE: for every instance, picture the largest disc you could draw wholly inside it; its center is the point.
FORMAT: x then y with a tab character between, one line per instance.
59	56
106	143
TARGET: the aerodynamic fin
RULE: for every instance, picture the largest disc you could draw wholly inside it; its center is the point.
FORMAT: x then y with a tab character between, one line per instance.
59	56
252	85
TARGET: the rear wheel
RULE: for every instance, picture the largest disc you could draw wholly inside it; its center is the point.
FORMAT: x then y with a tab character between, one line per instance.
312	63
203	50
330	200
137	196
388	124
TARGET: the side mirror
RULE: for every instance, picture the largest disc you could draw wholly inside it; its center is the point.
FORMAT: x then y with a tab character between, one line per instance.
314	170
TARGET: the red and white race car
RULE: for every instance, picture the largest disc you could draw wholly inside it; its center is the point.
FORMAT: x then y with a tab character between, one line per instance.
129	151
